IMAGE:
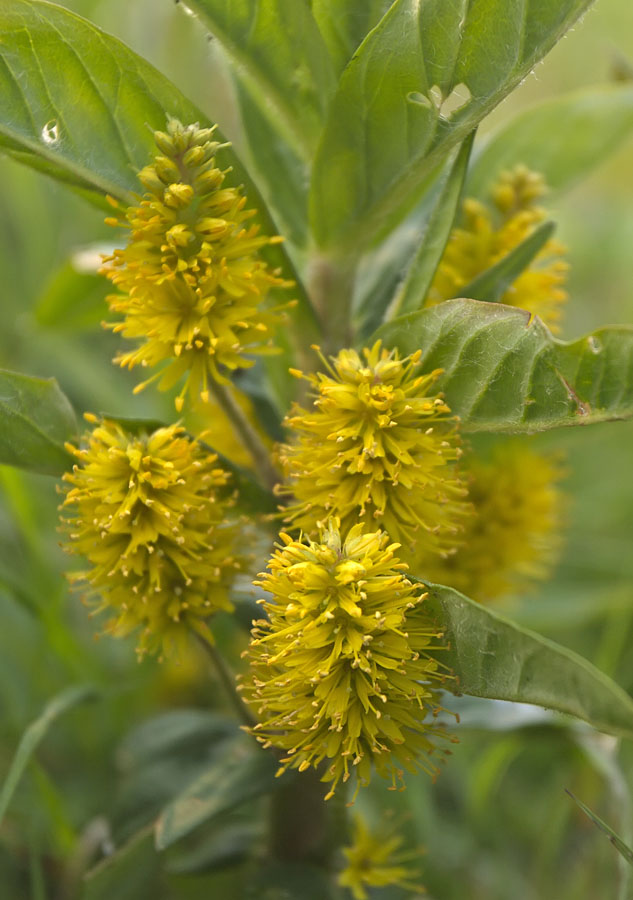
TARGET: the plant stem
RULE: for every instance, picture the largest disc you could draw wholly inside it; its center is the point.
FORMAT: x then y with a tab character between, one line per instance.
247	433
227	678
331	286
305	828
299	817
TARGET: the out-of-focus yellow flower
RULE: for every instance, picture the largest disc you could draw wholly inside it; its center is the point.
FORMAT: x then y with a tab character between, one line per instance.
379	445
341	670
148	512
489	232
514	537
191	280
375	859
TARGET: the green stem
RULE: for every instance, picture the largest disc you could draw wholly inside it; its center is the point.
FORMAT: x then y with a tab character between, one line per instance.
247	433
304	827
331	286
228	680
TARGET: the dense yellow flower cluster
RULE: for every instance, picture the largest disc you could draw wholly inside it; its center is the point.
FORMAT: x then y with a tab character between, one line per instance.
148	511
514	536
489	232
341	668
344	671
375	859
191	279
378	445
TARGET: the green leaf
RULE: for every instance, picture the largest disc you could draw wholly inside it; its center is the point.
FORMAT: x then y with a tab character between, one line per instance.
36	419
503	370
482	714
382	268
282	175
419	83
227	845
492	284
418	279
242	773
617	841
35	733
74	298
160	757
171	733
128	874
279	52
79	99
344	25
564	138
493	657
81	106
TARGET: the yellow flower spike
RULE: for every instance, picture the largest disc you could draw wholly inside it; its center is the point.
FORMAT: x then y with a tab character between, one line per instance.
374	859
377	445
489	232
342	671
514	537
148	513
191	284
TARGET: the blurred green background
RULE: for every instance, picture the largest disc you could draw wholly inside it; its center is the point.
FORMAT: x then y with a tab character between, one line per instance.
498	824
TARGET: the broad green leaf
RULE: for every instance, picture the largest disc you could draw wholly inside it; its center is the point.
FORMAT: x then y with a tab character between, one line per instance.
78	99
278	50
81	106
492	284
418	279
145	790
419	83
36	420
173	732
242	773
281	174
493	657
34	735
74	298
382	269
160	757
128	874
344	25
482	714
503	370
624	850
228	844
563	137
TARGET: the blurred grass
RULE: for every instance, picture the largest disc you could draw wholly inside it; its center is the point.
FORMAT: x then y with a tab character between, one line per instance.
497	825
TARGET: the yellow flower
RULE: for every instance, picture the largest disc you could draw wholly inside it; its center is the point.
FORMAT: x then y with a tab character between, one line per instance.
489	232
515	534
148	513
377	444
190	279
341	670
375	860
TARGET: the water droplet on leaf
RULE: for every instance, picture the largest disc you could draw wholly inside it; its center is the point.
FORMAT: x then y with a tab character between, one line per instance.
50	132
